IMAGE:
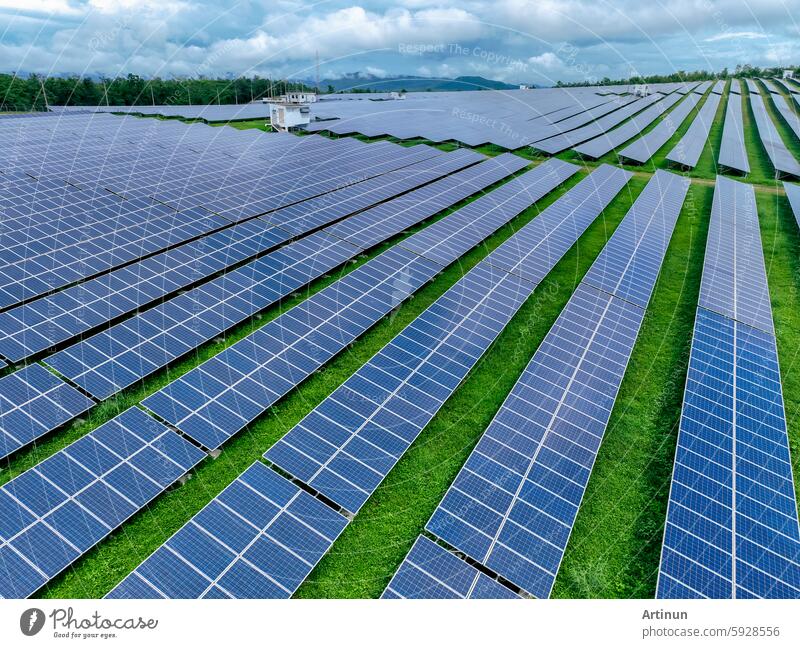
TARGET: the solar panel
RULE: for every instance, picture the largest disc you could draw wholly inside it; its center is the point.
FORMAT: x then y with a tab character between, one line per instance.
570	138
789	115
628	266
609	140
645	147
60	508
719	88
734	277
732	528
350	442
114	359
736	86
259	538
430	571
732	153
513	504
34	402
793	194
39	325
782	159
688	150
151	228
752	87
702	88
218	398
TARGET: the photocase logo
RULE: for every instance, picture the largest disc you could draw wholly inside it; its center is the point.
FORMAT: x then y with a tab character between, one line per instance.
31	622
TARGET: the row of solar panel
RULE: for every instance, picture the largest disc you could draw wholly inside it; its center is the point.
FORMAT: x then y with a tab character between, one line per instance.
536	183
374	417
512	506
218	398
688	150
157	227
118	357
42	324
732	528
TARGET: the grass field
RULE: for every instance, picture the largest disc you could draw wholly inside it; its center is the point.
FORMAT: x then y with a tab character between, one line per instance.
615	546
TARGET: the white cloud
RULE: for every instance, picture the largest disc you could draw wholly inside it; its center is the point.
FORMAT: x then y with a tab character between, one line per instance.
189	37
742	35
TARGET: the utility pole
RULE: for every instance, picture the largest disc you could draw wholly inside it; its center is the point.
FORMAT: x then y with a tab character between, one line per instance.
44	92
152	96
317	75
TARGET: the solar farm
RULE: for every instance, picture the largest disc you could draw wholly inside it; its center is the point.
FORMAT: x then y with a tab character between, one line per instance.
500	344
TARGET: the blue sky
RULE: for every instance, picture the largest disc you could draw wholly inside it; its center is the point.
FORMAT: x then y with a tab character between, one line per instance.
537	41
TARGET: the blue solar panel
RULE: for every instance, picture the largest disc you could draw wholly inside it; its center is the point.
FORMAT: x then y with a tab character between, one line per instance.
162	334
377	224
734	277
41	324
732	527
36	326
628	266
34	402
220	397
60	508
348	444
793	194
732	152
783	161
687	152
612	139
512	506
642	149
430	571
259	538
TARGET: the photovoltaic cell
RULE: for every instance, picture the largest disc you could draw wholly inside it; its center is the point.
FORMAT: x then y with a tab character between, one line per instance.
688	150
628	266
793	194
732	527
612	139
116	358
34	402
781	157
60	508
732	153
734	277
259	538
513	504
430	571
350	442
221	396
642	149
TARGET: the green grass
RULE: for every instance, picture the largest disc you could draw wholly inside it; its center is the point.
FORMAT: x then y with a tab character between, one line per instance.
362	561
246	124
102	567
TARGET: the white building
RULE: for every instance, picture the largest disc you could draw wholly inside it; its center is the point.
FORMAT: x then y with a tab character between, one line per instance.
641	90
284	116
788	74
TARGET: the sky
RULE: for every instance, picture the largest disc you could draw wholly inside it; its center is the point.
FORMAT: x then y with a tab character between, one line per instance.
518	41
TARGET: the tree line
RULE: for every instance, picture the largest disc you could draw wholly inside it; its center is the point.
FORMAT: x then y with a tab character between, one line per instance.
35	92
742	71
